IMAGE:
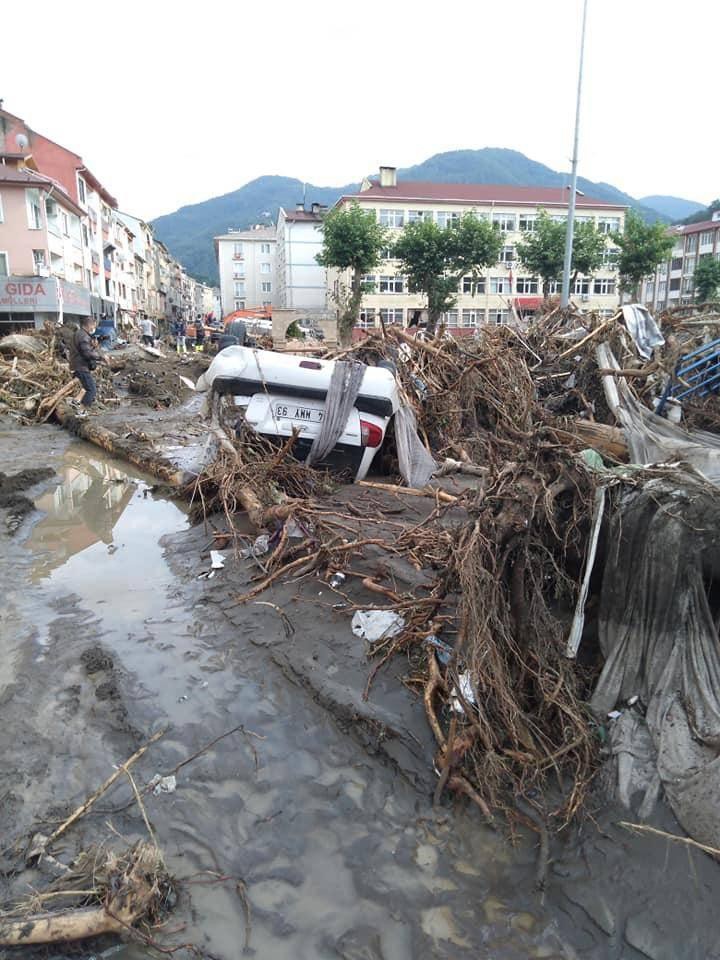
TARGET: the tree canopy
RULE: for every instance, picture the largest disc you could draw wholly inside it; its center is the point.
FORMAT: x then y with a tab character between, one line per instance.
707	279
543	252
642	247
434	258
352	240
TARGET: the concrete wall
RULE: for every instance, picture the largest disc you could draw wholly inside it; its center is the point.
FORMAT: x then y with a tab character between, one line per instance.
301	281
16	238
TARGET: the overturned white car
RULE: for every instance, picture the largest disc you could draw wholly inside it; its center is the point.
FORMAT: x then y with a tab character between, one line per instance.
340	409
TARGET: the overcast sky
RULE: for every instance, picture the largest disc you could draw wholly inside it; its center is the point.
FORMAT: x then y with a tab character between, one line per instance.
171	103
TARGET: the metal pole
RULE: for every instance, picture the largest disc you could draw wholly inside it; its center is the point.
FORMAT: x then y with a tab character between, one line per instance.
573	180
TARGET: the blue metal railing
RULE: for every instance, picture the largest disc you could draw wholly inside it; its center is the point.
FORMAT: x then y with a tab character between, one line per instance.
696	373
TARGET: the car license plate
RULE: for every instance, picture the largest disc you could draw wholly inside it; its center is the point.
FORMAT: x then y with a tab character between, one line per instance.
291	411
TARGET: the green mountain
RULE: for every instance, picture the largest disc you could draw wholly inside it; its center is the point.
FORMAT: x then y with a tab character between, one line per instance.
189	231
705	214
673	207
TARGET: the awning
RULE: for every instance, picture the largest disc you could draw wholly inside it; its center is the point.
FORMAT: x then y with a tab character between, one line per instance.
528	303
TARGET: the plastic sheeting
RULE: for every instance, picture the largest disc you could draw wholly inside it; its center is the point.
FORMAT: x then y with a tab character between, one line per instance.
347	376
651	438
416	464
642	328
659	610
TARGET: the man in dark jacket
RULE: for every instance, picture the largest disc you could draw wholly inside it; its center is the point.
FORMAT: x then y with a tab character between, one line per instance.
84	357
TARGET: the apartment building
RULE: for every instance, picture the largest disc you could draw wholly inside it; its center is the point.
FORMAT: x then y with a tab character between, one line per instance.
41	253
246	264
673	282
300	281
506	290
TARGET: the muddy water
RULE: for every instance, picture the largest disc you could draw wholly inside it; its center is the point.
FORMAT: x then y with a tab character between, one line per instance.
340	855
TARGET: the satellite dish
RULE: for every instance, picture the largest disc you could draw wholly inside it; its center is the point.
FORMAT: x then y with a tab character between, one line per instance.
22	141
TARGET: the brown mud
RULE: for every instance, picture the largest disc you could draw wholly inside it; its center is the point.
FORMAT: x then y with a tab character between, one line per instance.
324	807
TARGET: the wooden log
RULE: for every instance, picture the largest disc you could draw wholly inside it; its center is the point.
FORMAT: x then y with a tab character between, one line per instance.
150	462
415	342
602	437
432	492
47	406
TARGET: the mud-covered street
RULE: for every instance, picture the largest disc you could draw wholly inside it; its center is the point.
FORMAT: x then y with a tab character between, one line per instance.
320	806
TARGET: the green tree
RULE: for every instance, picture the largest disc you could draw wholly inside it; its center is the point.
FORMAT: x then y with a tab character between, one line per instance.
642	247
434	258
352	240
707	279
543	252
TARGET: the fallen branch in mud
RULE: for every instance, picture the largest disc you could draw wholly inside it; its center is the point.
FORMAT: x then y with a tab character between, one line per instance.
127	889
653	831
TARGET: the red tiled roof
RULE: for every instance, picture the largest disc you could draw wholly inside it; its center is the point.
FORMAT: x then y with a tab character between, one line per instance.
299	215
485	193
697	227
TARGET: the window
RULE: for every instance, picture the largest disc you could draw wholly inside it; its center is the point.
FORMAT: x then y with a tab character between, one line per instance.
689	266
507	255
554	286
610	258
266	286
367	318
239	304
500	285
674	283
265	248
85	237
688	284
238	271
691	243
81	190
472	318
527	223
649	292
1	209
446	218
88	280
34	212
264	268
39	260
676	263
608	224
239	288
706	238
604	287
368	281
65	224
505	221
237	251
662	270
498	316
527	285
560	218
451	318
392	315
4	265
473	285
386	253
583	219
662	290
392	218
582	286
415	216
392	284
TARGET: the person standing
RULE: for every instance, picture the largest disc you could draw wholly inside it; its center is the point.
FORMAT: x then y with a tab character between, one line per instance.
199	335
148	331
84	358
180	333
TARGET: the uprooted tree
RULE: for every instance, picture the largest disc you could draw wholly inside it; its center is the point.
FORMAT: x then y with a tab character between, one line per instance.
352	240
642	247
434	258
543	251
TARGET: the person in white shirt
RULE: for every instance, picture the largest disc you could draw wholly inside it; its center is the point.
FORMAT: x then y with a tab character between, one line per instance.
147	328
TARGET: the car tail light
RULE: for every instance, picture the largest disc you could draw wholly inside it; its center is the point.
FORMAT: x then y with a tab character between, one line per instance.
370	434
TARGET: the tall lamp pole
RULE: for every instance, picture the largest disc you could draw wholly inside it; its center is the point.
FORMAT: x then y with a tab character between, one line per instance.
573	180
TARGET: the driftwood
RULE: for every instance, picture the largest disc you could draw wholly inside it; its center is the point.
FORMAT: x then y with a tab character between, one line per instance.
148	461
431	492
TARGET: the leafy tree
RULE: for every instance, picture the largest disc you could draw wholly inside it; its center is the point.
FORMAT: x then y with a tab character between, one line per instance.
642	247
434	258
352	240
707	279
543	252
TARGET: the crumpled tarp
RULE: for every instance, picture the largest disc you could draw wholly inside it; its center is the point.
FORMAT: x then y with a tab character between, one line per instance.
651	438
347	376
415	463
659	609
642	328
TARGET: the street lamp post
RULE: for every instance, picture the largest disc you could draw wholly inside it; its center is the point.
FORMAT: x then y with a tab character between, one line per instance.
573	180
